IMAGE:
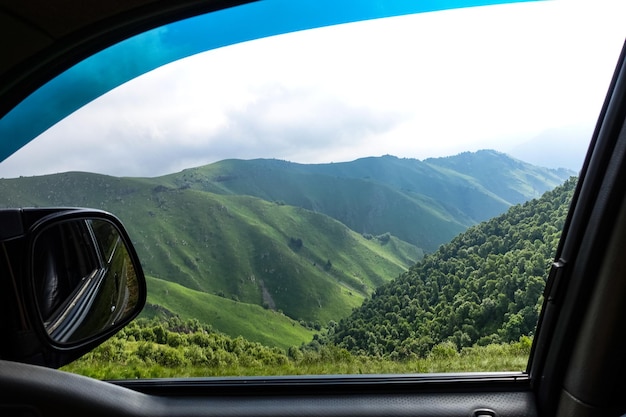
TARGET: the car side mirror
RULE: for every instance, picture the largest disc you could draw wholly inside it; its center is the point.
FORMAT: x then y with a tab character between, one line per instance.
83	277
76	281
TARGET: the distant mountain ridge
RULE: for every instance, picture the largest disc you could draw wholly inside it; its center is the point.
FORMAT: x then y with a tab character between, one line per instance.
375	195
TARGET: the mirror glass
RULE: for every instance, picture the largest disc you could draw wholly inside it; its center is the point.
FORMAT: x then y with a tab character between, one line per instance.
84	278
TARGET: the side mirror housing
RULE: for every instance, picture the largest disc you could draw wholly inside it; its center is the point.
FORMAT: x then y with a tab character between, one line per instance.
71	280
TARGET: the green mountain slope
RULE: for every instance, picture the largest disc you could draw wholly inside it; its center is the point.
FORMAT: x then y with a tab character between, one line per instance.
484	286
227	316
306	264
364	206
425	203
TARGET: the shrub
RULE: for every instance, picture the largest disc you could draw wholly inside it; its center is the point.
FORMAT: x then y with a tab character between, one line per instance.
200	339
444	350
170	357
175	339
196	355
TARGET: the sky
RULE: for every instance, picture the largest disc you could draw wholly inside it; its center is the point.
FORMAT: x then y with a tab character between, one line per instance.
526	79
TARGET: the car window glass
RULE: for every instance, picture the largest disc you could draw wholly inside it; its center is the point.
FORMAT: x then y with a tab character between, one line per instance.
383	196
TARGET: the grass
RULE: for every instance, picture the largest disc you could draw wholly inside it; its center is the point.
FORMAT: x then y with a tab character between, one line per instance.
240	245
227	316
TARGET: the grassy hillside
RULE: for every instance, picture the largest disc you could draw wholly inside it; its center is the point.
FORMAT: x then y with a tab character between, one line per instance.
364	206
230	317
241	247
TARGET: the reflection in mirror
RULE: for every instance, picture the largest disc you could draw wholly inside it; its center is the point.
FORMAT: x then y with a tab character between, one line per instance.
84	279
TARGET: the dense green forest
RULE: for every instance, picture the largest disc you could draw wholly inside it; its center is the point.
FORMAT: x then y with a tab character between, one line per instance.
483	287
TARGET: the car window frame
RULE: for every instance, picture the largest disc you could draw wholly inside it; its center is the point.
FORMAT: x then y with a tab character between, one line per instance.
582	249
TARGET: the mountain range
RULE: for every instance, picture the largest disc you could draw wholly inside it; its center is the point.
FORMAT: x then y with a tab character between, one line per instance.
298	244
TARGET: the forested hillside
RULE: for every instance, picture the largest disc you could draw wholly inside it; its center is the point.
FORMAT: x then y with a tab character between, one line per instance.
483	287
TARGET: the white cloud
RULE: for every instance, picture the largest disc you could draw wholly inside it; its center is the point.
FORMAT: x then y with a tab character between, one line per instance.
414	86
